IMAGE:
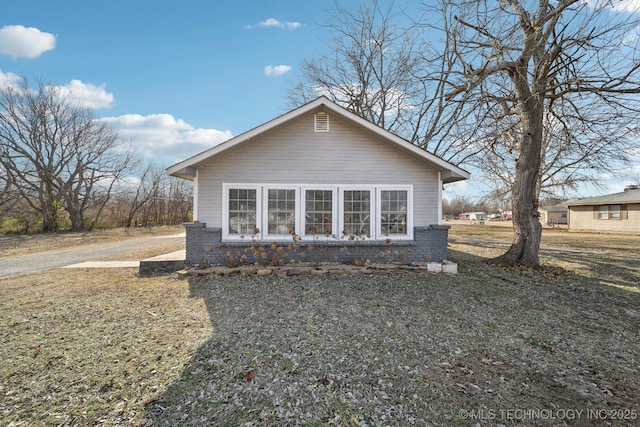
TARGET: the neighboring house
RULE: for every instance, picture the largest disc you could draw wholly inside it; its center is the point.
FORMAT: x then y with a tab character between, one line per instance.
618	213
324	177
552	215
473	216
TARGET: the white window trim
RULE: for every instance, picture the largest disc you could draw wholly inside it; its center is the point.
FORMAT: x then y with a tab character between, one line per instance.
372	210
225	212
409	190
262	213
334	212
265	217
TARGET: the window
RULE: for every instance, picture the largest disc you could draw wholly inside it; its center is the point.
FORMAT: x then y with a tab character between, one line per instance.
393	212
281	211
274	211
357	213
603	212
318	215
242	211
610	212
614	212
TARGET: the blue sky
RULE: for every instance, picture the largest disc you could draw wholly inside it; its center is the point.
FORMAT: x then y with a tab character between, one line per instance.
176	77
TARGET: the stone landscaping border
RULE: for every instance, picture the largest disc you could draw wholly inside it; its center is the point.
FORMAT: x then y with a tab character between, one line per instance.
301	269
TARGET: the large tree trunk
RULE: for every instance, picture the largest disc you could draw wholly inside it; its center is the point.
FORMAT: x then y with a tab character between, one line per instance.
526	224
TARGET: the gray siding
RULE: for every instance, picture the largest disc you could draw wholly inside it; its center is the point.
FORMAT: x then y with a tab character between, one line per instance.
298	155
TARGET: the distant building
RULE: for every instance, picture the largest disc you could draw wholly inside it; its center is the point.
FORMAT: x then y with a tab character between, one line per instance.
617	213
552	215
473	216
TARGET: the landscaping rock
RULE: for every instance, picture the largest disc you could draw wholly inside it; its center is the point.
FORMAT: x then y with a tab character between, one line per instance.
264	272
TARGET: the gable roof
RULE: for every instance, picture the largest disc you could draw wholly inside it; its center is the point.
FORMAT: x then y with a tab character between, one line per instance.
630	195
449	172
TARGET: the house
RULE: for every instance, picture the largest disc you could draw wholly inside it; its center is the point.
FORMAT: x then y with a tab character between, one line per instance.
614	213
473	216
553	215
317	180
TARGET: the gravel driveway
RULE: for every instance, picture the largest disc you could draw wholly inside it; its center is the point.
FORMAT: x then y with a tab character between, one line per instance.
17	266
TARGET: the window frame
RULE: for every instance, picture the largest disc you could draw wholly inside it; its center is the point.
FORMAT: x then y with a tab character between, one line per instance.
334	212
615	214
409	232
338	191
225	211
606	213
372	210
603	212
265	216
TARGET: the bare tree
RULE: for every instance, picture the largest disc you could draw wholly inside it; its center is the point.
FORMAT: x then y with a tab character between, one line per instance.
180	206
56	153
7	193
381	68
151	182
571	65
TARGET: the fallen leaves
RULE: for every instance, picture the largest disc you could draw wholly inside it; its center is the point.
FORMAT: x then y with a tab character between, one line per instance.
487	361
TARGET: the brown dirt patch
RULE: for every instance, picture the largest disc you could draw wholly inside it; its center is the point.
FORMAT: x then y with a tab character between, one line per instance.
12	245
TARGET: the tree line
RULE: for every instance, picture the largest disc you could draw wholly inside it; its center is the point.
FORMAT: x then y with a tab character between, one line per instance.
61	168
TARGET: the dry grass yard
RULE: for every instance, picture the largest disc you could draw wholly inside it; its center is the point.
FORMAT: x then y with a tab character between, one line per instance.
490	346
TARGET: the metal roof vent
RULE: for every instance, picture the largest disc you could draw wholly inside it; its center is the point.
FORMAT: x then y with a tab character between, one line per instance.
322	122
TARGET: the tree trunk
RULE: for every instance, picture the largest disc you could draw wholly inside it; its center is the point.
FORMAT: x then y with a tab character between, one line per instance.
48	209
49	220
77	221
526	224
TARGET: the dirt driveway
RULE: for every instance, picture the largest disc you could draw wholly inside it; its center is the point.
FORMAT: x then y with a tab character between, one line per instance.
125	249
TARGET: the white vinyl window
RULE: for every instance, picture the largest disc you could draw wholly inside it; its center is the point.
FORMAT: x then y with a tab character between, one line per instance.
275	211
394	208
356	213
242	211
282	207
319	217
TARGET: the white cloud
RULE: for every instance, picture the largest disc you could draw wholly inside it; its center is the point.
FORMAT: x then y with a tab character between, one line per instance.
87	94
163	137
275	23
19	41
8	79
626	5
276	70
618	5
456	189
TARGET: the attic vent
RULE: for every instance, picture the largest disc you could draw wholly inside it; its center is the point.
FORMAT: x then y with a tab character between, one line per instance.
322	122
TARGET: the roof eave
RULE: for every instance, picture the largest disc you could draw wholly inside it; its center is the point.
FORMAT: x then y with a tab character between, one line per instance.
187	173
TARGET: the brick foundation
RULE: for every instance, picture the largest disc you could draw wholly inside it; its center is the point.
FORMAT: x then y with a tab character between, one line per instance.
205	246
